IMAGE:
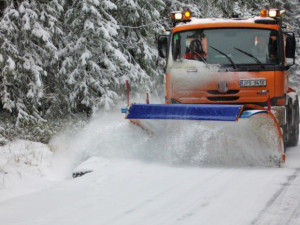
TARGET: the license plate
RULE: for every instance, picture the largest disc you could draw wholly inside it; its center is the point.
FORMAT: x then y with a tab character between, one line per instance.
253	83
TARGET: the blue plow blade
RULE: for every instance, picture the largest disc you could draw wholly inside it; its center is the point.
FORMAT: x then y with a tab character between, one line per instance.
185	112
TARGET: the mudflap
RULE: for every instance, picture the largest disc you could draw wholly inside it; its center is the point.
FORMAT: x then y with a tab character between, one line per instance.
254	133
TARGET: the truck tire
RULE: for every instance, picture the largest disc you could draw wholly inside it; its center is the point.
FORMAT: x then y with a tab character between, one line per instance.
293	122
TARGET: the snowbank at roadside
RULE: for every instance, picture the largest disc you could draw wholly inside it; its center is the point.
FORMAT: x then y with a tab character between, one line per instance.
23	165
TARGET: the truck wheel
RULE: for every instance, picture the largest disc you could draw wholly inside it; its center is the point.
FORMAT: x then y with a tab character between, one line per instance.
293	123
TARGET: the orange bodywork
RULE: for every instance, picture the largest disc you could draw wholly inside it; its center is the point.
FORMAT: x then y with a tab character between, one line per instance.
208	91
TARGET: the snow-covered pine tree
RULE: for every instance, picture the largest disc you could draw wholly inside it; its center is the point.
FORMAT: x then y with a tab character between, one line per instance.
52	18
240	8
22	69
26	55
95	66
292	19
140	22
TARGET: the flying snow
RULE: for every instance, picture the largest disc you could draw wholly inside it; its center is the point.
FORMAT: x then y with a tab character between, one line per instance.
190	143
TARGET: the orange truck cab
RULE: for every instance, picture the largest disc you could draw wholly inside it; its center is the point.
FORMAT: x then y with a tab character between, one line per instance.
232	61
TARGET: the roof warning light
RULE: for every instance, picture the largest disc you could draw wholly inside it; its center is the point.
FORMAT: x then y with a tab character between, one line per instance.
179	16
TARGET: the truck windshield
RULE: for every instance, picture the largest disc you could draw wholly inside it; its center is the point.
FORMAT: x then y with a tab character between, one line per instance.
231	46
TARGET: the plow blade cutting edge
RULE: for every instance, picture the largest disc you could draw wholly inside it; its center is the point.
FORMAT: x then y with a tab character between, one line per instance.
264	122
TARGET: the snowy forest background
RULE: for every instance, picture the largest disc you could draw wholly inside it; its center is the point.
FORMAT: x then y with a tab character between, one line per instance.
64	60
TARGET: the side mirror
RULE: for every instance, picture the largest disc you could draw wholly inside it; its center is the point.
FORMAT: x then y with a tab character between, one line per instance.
290	48
163	45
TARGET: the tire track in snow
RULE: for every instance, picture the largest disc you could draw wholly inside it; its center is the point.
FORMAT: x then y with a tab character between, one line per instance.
278	209
167	195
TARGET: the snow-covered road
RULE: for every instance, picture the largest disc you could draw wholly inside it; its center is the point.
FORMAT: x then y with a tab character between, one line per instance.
133	189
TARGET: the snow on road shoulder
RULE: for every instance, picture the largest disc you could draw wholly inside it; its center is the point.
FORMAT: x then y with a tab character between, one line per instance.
23	165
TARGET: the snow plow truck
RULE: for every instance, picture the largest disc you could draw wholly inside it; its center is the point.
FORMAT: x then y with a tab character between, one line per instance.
227	70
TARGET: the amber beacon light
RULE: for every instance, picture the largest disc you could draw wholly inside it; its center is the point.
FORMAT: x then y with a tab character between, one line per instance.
272	13
179	16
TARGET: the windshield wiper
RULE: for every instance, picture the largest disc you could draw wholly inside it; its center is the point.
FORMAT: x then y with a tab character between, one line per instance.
230	60
202	58
250	55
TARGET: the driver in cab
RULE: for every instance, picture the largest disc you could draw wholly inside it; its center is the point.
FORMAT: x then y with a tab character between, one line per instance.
195	51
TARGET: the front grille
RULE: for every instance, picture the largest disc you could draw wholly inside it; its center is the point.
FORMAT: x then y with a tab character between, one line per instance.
230	92
223	99
174	101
